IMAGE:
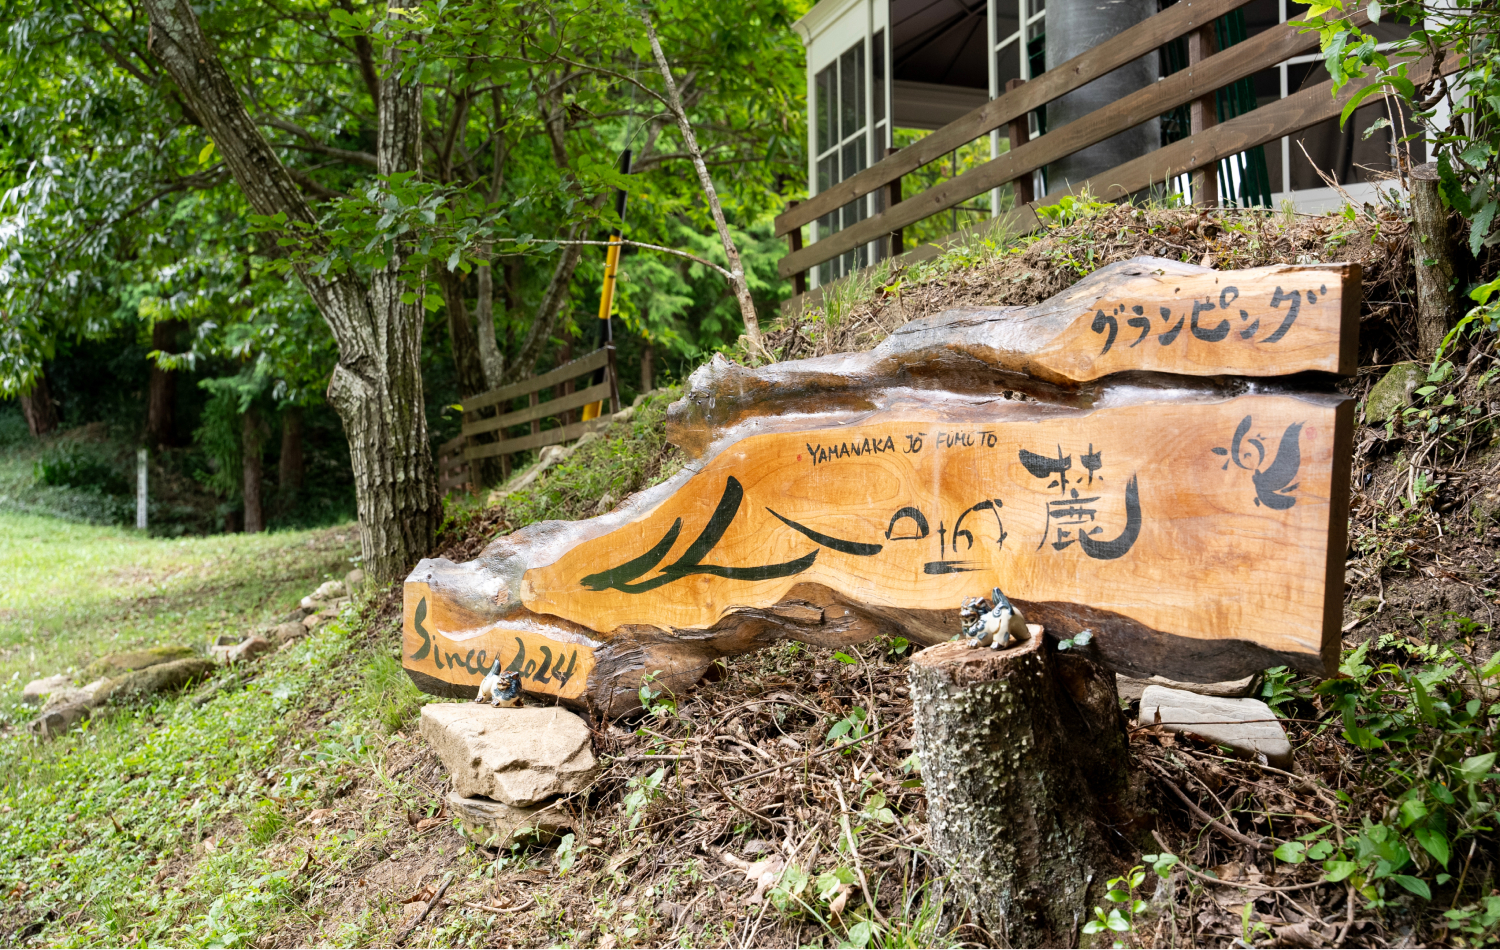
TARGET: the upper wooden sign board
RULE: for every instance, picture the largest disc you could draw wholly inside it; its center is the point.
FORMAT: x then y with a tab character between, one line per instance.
1196	528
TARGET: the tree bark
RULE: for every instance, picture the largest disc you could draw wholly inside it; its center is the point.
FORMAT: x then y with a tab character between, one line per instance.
484	316
467	364
731	253
1438	302
38	408
252	439
162	389
291	465
1023	755
648	369
377	384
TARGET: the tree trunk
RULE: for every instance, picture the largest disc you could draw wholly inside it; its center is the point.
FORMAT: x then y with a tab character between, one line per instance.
467	362
648	370
484	316
291	465
467	365
252	439
38	408
1023	756
1438	303
162	393
1073	27
377	384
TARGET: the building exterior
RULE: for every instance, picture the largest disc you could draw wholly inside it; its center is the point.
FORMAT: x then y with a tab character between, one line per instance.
881	73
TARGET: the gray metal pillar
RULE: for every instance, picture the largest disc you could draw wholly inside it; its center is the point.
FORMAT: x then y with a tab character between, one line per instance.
1074	27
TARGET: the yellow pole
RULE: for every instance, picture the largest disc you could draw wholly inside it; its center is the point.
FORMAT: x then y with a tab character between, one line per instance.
606	304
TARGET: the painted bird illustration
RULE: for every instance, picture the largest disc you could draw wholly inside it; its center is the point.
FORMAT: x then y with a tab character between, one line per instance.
993	623
1278	476
501	689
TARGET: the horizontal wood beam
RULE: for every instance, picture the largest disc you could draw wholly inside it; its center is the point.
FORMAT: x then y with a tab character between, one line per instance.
1082	69
541	410
584	364
1256	127
1243	59
543	438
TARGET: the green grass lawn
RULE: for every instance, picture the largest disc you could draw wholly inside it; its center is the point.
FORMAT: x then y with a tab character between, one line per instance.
102	831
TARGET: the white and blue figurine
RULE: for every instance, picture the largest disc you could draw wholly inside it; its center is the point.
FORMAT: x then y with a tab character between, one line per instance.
993	623
501	689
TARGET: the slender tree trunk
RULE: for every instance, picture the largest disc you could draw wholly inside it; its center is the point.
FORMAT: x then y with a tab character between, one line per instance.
251	441
731	253
377	385
162	388
648	369
466	360
1438	301
484	315
38	408
291	466
1024	758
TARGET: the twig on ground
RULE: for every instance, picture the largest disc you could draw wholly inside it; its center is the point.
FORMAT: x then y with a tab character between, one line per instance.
1205	817
425	911
859	869
813	755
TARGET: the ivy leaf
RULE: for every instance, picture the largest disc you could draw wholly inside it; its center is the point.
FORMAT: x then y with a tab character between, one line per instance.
1414	884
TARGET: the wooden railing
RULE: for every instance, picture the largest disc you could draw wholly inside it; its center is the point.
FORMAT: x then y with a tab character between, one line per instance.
1199	153
491	413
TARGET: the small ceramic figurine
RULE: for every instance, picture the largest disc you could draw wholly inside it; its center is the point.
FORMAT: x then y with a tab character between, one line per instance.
501	689
995	624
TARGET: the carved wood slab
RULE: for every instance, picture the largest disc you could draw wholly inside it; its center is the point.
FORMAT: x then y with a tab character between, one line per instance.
1147	315
1197	532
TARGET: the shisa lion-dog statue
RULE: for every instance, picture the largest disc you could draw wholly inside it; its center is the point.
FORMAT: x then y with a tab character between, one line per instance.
993	623
501	689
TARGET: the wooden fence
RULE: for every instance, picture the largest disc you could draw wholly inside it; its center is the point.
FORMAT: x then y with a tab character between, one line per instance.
491	413
1199	153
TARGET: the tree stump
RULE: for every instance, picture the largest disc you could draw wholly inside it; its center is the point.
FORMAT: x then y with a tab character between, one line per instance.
1024	757
1438	302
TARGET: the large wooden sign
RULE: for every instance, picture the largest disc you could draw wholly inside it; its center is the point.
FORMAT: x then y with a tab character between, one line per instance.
1196	529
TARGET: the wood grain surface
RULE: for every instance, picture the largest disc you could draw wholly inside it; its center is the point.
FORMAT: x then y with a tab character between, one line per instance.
1198	535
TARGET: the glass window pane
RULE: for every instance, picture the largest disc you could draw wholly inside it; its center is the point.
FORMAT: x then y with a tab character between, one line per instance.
828	172
1008	63
859	86
823	92
848	88
879	53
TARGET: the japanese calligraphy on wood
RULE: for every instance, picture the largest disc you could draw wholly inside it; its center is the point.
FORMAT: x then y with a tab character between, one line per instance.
1142	315
1101	457
1197	534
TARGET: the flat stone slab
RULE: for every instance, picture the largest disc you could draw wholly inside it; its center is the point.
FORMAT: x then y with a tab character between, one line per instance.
1247	726
496	824
518	757
36	692
115	664
1131	688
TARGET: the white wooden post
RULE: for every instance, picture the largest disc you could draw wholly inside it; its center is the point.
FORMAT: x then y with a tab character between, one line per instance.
140	489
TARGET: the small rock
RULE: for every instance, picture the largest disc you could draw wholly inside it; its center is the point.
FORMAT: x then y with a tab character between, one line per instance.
496	824
57	721
354	581
226	640
115	664
93	694
241	652
1389	396
313	621
297	614
515	756
1246	725
36	691
327	592
163	677
1131	688
283	632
